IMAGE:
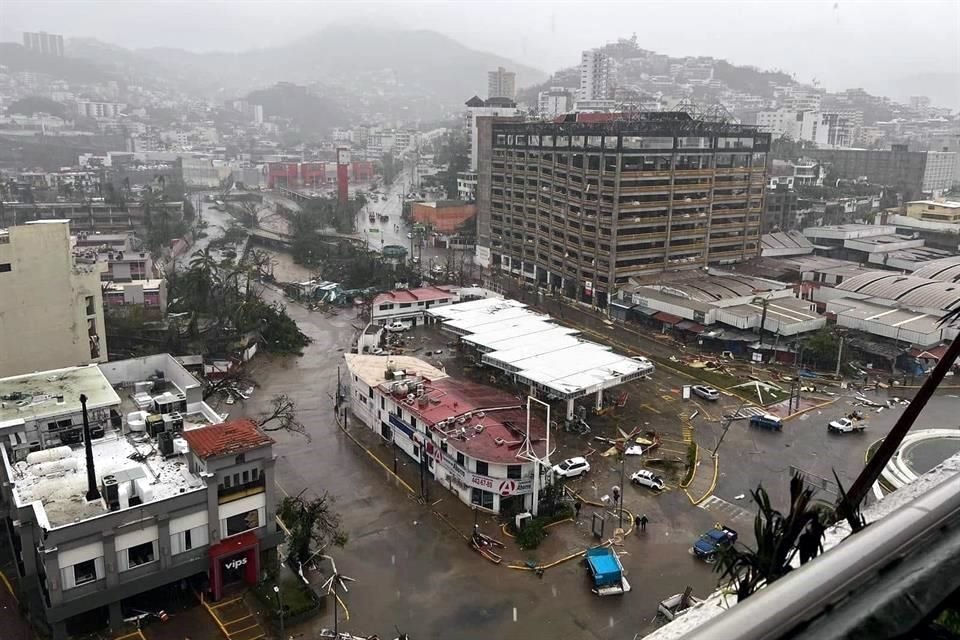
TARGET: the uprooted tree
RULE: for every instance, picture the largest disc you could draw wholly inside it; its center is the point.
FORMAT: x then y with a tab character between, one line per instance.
282	416
313	526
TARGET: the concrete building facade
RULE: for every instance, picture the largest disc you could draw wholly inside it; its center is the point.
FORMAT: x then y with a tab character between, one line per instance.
797	125
52	314
465	434
46	43
501	84
584	205
594	75
915	172
554	101
477	108
179	498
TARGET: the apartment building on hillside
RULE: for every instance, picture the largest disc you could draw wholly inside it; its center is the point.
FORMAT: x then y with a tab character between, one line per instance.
583	205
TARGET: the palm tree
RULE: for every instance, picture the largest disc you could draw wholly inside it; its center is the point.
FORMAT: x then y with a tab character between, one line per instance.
849	502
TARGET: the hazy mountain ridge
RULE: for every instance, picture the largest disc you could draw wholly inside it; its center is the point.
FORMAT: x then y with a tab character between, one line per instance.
360	58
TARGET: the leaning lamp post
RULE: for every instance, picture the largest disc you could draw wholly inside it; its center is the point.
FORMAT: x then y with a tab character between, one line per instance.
528	452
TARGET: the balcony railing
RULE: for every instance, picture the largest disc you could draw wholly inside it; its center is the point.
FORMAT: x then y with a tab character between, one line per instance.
236	492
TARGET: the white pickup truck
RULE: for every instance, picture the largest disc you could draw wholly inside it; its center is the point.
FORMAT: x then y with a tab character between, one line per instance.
397	326
846	425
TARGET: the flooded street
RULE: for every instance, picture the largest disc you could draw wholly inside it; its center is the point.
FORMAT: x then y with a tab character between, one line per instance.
415	572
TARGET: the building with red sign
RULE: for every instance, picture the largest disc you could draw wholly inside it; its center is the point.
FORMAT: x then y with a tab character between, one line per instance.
472	438
315	174
170	500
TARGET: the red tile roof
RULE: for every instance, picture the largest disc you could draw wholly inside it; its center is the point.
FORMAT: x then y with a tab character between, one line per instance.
413	295
226	438
504	418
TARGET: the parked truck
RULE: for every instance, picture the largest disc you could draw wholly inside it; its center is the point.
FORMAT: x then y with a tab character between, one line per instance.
606	572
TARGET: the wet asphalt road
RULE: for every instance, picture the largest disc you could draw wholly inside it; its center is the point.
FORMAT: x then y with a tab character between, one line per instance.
749	456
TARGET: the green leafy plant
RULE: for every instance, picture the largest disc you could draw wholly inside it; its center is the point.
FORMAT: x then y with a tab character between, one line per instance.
780	538
532	534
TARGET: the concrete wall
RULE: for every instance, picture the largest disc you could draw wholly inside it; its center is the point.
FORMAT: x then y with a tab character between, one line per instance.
139	369
44	302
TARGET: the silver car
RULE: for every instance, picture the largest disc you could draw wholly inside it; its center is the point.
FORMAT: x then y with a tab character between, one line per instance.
705	392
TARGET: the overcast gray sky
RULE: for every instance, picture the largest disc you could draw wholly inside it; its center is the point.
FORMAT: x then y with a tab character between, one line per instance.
841	43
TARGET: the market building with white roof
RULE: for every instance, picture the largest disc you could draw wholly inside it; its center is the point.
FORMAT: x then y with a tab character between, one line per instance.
551	359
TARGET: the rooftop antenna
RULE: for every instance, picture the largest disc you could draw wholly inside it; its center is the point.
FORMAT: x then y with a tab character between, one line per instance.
92	492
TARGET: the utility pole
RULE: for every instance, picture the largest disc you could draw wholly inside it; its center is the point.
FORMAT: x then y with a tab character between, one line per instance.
623	456
726	428
839	355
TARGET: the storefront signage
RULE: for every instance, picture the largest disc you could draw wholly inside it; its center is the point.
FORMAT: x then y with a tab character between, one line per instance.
235	563
505	487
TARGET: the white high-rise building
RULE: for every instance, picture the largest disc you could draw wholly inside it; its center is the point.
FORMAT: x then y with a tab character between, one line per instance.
797	125
555	101
476	108
594	75
501	84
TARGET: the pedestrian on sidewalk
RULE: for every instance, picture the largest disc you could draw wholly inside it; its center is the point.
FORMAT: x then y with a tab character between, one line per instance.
642	523
576	510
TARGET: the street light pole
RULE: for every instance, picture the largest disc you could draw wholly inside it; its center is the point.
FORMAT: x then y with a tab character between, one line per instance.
623	456
276	590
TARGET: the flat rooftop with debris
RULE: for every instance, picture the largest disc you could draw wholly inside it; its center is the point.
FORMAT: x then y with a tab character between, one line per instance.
59	483
53	393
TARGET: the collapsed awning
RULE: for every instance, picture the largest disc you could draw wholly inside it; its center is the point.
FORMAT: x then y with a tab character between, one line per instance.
667	318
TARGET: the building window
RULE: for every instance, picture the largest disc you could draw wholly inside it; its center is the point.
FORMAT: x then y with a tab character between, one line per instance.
242	522
187	541
383	403
413	422
443	446
513	471
240	459
482	498
91	308
246	477
140	554
460	459
370	392
5	267
482	468
386	307
226	482
84	572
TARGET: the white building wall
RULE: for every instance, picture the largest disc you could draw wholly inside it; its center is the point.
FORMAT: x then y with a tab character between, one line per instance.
458	473
594	75
44	302
470	123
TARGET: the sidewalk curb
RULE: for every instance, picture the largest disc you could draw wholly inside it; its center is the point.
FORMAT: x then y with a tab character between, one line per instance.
696	463
713	484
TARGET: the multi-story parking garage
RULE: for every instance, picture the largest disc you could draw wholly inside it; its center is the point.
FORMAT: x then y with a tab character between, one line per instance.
584	204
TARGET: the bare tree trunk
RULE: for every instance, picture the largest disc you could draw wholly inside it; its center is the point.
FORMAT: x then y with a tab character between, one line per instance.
871	472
